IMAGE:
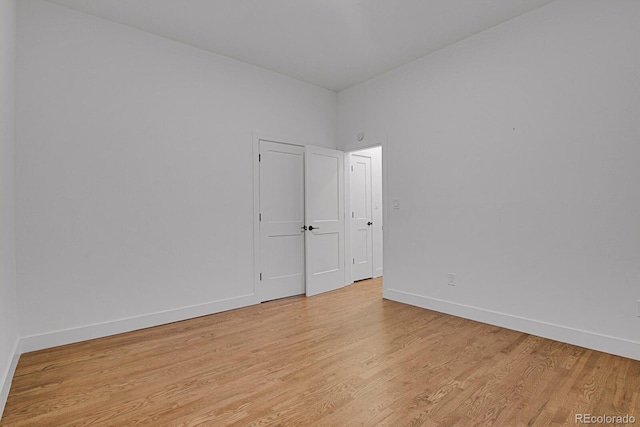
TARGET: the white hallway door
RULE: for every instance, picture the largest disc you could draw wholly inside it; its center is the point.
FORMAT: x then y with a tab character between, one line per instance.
301	220
324	194
361	217
281	220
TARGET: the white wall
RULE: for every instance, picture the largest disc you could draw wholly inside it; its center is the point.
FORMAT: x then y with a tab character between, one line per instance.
514	157
376	206
134	173
8	305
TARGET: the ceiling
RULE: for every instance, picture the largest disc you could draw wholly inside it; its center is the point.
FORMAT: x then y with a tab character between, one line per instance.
334	44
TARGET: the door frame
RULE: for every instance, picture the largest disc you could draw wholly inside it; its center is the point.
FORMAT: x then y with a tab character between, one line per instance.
347	198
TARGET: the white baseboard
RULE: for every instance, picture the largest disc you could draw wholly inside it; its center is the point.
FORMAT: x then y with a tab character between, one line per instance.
594	341
99	330
7	378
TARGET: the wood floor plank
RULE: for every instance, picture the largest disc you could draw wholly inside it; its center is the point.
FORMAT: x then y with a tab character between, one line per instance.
345	358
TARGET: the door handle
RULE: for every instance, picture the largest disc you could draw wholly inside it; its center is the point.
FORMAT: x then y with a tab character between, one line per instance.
369	223
311	228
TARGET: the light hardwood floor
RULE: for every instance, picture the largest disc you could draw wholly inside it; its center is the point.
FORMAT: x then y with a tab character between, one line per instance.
345	358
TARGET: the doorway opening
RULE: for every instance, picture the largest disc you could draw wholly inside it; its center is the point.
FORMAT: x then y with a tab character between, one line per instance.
365	215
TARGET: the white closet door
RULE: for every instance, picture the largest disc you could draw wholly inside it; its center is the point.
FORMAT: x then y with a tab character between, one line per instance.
282	220
324	220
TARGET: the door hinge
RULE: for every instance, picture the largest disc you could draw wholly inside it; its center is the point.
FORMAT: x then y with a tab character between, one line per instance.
351	168
260	276
259	157
352	213
354	261
260	217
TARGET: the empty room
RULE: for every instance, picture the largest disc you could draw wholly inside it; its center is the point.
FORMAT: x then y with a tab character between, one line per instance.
320	212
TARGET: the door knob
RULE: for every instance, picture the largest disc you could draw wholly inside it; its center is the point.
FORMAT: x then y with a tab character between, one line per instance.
303	228
311	228
369	223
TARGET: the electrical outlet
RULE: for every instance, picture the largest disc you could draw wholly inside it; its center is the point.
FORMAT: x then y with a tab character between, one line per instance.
452	279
